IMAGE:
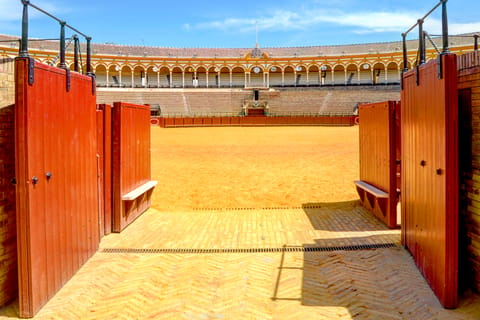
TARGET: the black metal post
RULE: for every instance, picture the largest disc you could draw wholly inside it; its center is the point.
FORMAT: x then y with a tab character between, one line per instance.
89	55
421	39
62	65
24	43
475	45
76	52
445	27
405	58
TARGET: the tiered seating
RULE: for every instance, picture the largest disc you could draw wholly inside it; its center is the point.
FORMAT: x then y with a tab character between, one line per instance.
338	100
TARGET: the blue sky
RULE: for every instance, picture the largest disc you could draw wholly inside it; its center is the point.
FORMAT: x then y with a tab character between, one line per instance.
225	23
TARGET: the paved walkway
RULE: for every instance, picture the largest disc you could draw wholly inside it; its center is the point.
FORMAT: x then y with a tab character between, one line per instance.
319	261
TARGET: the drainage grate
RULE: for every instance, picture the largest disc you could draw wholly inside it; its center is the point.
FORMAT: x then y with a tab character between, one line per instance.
251	250
259	208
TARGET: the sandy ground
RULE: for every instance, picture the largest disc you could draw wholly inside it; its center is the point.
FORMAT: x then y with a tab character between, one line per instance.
253	167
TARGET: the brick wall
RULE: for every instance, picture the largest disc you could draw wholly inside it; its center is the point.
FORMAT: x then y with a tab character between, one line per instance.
469	93
8	239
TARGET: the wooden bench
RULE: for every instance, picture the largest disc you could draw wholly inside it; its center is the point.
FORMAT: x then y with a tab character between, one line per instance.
372	197
371	189
137	192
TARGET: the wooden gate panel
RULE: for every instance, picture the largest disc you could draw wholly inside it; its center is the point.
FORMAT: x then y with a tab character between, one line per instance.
57	214
131	161
430	174
378	155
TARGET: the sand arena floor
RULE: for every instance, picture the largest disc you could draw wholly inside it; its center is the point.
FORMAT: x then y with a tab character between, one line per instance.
253	167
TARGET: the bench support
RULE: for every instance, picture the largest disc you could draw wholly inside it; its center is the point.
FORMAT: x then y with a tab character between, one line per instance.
372	198
133	204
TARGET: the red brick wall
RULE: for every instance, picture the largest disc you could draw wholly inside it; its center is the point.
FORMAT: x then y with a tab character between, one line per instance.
8	238
469	86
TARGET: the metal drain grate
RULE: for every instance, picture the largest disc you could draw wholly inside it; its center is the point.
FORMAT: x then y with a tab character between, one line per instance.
251	250
260	208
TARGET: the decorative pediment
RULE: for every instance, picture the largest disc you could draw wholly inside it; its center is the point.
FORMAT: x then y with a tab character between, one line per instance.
256	53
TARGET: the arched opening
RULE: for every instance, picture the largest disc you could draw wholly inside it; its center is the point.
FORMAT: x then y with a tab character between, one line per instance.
288	77
326	75
238	77
257	79
352	74
101	75
164	77
275	76
139	77
339	76
393	73
202	77
114	76
379	74
225	77
177	77
365	73
300	76
190	78
126	77
314	78
212	77
152	77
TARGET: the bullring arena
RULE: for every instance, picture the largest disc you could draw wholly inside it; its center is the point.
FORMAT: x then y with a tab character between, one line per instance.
246	160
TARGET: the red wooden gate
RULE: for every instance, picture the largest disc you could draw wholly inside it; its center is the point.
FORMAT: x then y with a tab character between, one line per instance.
378	134
56	166
131	184
430	174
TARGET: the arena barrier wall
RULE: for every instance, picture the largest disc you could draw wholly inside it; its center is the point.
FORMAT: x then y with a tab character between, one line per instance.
56	173
104	147
430	192
168	122
131	176
379	155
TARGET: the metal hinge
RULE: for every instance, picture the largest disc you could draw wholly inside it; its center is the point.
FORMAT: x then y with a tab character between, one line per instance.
31	70
440	66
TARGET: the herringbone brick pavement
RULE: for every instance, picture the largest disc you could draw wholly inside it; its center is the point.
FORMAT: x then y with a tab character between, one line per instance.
298	284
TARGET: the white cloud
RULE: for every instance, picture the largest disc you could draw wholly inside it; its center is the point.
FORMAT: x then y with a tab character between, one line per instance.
457	28
304	19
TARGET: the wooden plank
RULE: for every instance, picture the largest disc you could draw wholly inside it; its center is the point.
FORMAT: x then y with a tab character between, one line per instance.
371	189
135	193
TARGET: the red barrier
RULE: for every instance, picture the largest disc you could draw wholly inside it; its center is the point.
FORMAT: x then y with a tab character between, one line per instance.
216	121
188	121
178	122
235	121
131	162
378	158
169	122
207	121
226	121
57	184
430	173
257	121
